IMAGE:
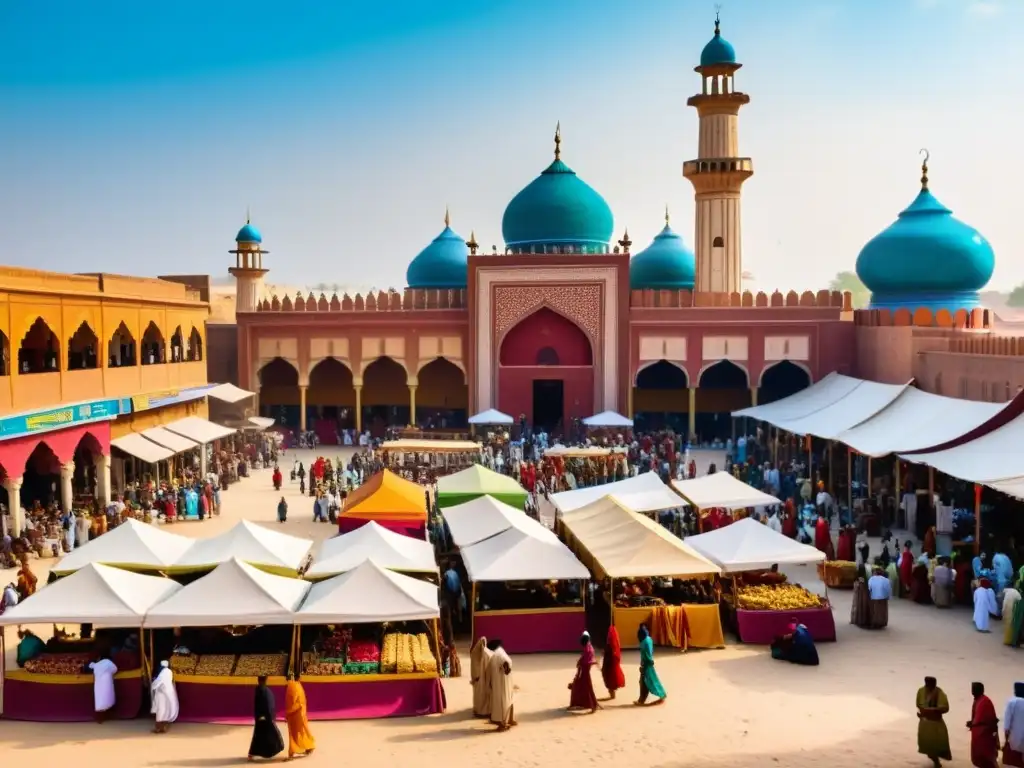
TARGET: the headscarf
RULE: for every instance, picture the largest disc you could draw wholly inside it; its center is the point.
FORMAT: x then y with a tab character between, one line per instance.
642	633
613	644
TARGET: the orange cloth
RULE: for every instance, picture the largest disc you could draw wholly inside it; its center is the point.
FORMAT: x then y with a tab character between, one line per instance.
300	739
669	626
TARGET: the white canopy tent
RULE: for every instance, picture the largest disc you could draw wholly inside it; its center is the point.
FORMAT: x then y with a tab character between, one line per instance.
249	543
95	594
373	542
199	430
722	490
995	456
491	416
517	555
748	545
263	422
608	419
145	450
820	394
168	439
624	544
859	405
233	593
1012	486
643	493
917	421
368	594
228	393
484	517
132	545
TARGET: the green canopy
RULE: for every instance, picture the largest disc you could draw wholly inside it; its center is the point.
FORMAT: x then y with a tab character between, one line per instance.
476	481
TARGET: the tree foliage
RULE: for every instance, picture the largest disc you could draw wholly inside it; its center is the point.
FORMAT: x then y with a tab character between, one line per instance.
848	281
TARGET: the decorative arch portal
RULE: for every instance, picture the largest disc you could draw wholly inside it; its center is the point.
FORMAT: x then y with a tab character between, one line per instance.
83	348
279	392
386	397
722	387
330	399
38	350
546	371
41	478
87	452
177	346
154	350
661	398
194	351
781	380
121	348
442	395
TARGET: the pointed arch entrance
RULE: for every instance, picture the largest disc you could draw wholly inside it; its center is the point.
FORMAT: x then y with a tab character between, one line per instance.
661	397
722	387
279	392
385	396
546	371
780	380
330	400
442	395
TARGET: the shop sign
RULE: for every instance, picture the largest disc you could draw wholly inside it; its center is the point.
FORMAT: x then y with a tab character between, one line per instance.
169	397
66	416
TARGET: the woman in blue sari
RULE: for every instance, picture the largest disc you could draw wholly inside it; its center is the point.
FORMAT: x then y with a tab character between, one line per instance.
650	685
796	646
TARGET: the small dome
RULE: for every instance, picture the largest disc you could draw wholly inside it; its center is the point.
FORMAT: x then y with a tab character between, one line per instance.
442	264
558	208
248	234
666	264
927	258
718	50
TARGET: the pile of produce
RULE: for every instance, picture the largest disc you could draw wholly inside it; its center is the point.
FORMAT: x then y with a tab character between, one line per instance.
215	665
184	664
396	656
261	664
314	666
838	573
362	657
422	656
333	646
58	663
784	597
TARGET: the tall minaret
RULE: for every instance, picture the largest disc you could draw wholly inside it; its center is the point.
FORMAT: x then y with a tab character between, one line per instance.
248	269
718	172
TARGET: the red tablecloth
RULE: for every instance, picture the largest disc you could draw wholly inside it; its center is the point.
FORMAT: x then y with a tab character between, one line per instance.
762	627
48	699
536	631
326	699
413	529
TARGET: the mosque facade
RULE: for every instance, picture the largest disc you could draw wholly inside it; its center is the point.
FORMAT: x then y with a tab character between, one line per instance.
569	320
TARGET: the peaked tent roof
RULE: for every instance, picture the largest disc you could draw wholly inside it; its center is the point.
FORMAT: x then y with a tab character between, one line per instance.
478	479
94	594
518	555
249	543
860	404
229	393
608	419
232	593
820	394
642	493
133	545
722	490
491	416
994	456
368	594
373	542
485	517
748	545
199	430
386	496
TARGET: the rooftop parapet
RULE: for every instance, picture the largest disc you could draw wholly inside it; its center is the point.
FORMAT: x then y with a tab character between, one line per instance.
382	301
976	319
650	298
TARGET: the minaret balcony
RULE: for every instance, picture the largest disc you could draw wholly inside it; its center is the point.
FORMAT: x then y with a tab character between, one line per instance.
718	165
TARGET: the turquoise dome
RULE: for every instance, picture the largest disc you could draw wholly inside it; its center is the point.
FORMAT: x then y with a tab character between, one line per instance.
559	209
927	258
442	264
718	50
665	264
248	234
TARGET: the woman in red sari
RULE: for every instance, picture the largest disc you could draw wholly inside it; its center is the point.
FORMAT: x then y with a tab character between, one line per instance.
581	689
611	666
984	728
906	570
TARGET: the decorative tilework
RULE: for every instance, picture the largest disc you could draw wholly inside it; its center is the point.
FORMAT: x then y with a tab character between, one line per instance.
579	303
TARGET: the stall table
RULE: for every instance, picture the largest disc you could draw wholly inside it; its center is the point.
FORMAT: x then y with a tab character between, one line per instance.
705	625
416	529
539	630
69	698
762	627
228	700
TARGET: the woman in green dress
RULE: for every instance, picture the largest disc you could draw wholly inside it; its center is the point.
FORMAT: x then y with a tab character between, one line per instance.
650	685
932	736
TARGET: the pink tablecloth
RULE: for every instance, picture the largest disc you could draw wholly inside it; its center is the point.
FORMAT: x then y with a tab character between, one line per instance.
537	631
233	704
762	627
409	528
67	702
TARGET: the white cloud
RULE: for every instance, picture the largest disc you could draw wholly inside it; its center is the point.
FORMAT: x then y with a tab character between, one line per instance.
984	8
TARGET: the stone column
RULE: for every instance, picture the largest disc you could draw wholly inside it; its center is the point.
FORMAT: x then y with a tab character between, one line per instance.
102	465
13	487
692	413
753	396
412	405
302	407
359	410
67	471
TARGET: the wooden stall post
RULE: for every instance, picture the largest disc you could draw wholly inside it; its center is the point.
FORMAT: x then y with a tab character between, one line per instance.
3	664
849	480
831	472
472	616
896	471
437	646
977	519
296	642
152	653
931	486
810	461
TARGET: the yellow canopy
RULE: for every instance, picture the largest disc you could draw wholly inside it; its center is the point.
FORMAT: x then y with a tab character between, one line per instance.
430	446
386	496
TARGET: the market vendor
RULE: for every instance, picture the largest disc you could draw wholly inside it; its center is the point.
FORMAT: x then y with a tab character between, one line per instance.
30	646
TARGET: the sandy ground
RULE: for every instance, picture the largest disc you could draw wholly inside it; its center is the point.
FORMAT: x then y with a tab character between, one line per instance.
734	708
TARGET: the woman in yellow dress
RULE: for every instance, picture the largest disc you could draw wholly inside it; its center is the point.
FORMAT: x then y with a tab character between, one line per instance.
300	738
932	736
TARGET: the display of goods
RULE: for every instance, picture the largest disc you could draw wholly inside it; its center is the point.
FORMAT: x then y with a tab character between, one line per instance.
422	655
838	573
58	663
215	665
362	652
389	654
333	646
184	664
360	668
405	664
261	665
319	668
756	578
784	597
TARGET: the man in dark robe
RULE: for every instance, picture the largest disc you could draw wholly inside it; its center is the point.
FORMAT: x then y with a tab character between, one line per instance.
266	738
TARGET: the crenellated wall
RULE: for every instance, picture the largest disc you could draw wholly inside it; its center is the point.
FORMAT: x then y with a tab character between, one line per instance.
665	299
382	301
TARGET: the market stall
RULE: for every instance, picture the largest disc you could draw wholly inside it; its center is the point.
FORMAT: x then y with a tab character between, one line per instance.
393	502
475	481
222	631
642	493
268	550
720	491
649	573
372	541
132	545
490	418
608	419
369	646
763	611
424	460
55	686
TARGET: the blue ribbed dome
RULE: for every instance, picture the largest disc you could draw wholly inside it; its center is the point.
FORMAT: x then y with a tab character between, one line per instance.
718	50
558	208
248	234
442	264
665	264
927	258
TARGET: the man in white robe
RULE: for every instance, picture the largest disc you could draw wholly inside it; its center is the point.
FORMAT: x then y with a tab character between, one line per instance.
984	605
103	672
1013	725
499	672
480	678
165	698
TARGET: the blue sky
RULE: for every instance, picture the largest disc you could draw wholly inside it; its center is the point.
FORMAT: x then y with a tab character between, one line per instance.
134	135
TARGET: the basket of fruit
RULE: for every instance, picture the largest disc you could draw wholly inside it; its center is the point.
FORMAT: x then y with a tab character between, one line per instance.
58	664
215	665
784	597
838	574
